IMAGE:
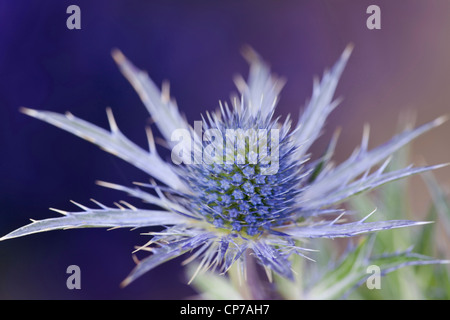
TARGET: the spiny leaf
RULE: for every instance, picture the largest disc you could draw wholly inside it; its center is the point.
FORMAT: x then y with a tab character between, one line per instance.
113	142
347	229
369	183
164	254
104	218
362	161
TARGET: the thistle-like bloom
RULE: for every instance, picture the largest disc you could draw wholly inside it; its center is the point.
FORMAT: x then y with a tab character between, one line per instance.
218	210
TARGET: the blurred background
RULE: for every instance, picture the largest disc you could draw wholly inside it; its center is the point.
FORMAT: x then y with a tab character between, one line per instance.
404	68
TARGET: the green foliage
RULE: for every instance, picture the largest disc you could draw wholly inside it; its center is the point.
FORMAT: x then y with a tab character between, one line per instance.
422	277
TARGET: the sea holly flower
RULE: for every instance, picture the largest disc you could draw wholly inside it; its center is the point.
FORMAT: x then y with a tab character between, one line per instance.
264	195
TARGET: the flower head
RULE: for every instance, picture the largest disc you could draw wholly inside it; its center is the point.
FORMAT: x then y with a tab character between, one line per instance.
239	179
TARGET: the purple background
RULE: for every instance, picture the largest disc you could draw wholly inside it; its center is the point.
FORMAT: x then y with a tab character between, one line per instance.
195	45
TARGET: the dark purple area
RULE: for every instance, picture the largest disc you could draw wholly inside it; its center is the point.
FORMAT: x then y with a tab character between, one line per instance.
195	45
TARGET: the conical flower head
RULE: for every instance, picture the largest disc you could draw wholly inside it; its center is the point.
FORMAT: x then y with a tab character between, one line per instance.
238	180
246	185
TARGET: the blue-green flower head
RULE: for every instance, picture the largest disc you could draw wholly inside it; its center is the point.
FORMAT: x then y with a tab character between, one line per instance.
244	194
238	180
